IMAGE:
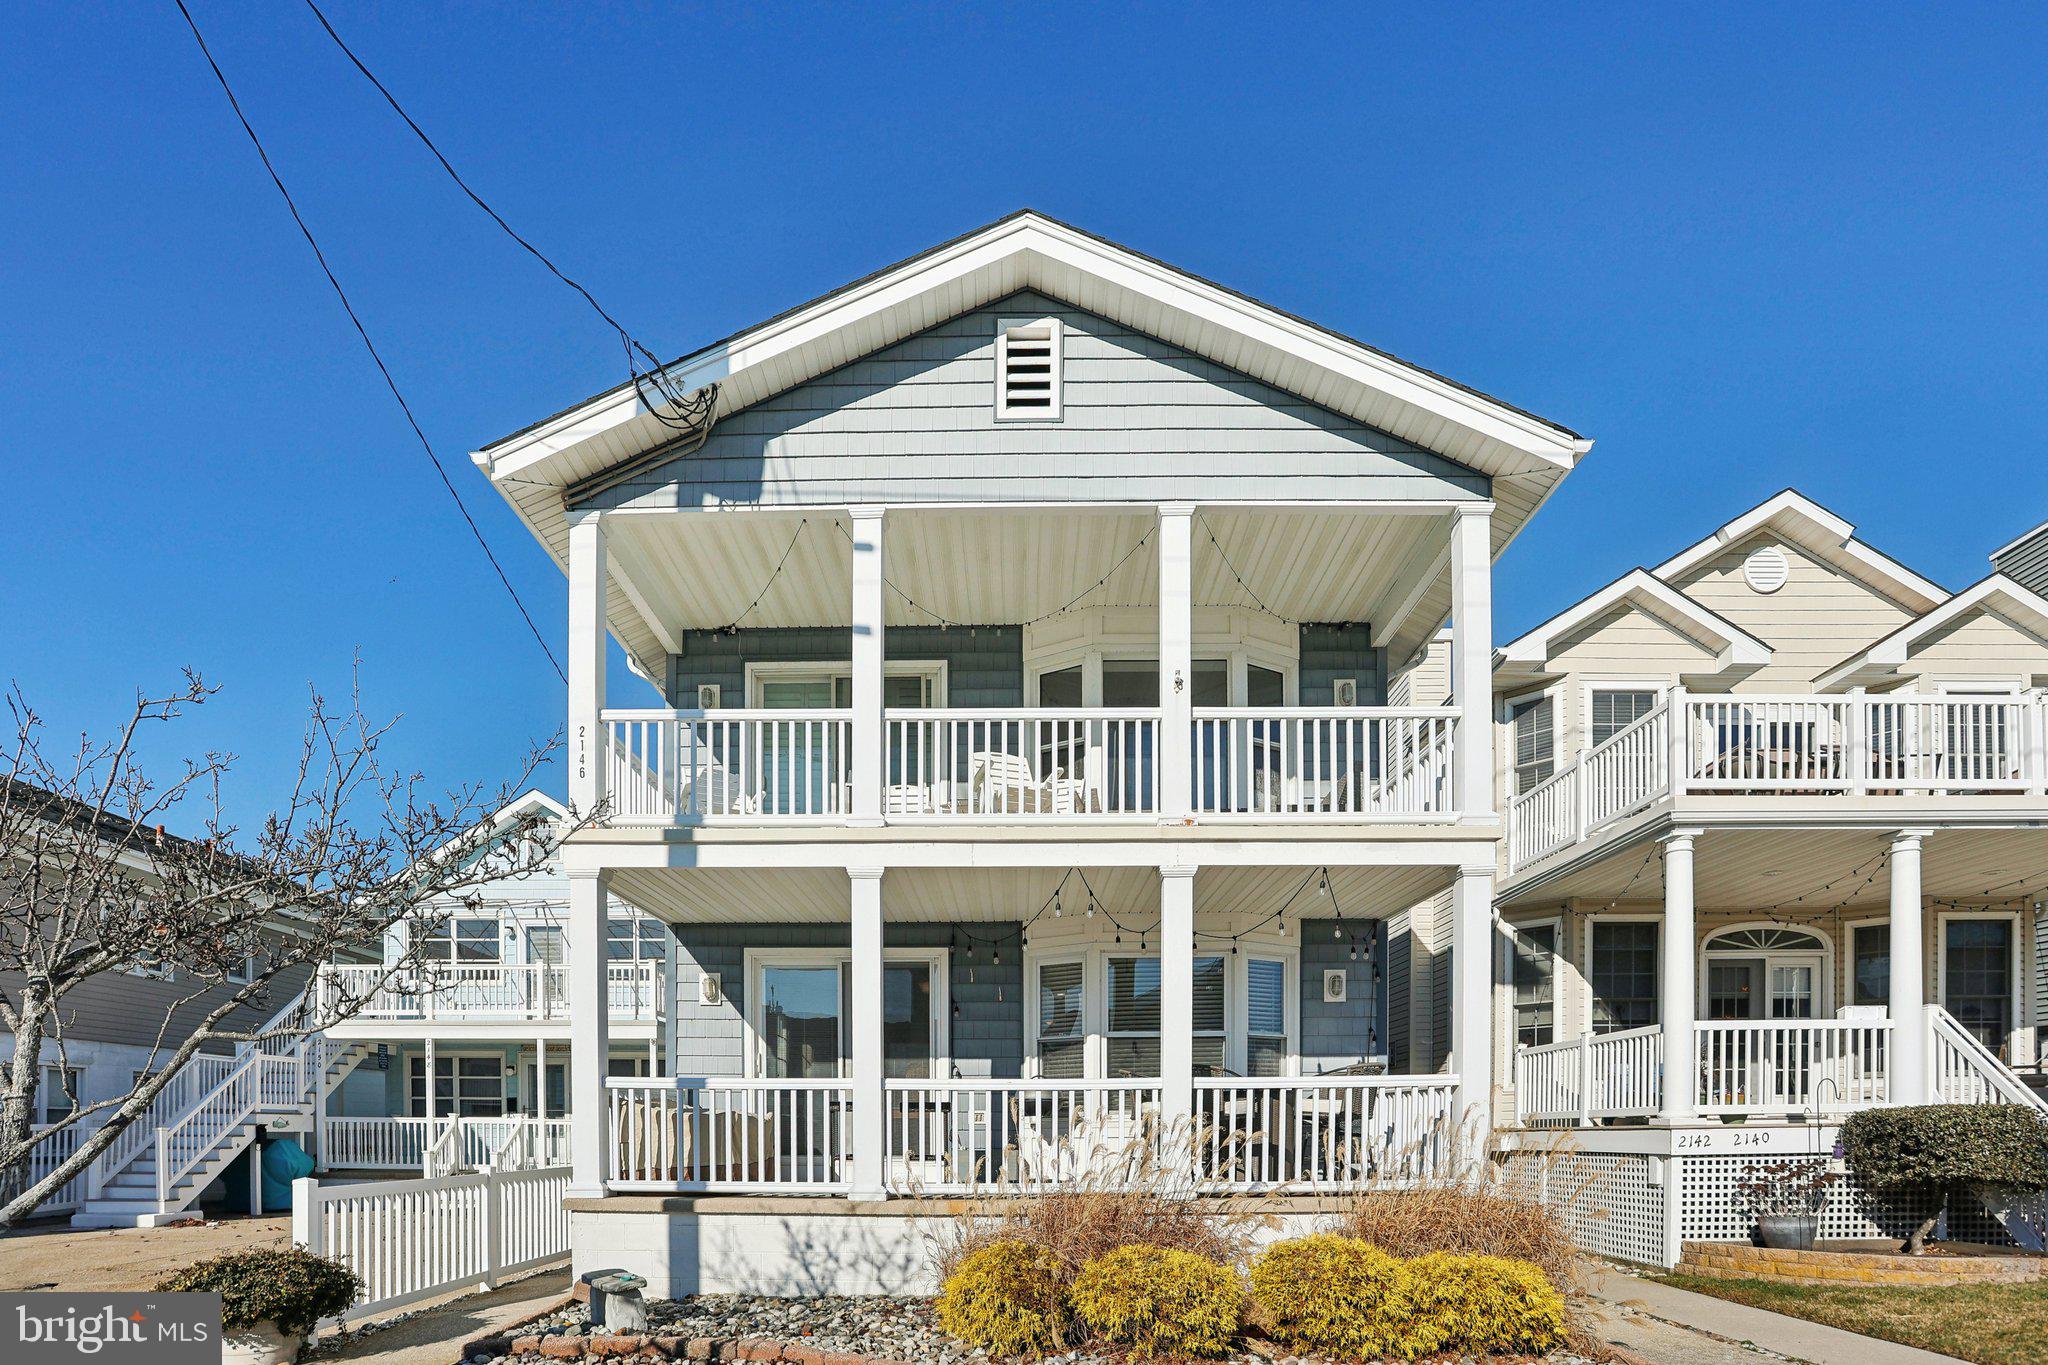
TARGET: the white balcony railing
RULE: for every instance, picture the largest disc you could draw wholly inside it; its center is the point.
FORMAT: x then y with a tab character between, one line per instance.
1323	1133
1593	1076
1013	1136
1020	764
688	767
1788	746
1784	1066
481	991
1334	762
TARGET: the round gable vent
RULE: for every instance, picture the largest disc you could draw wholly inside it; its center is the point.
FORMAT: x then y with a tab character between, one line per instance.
1766	569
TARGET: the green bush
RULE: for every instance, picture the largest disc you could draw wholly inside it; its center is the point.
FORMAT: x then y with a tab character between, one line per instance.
1160	1301
293	1288
1337	1295
1483	1305
1939	1149
1007	1298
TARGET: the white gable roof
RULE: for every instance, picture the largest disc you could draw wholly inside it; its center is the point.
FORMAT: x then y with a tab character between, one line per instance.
1996	593
1732	646
1800	521
537	469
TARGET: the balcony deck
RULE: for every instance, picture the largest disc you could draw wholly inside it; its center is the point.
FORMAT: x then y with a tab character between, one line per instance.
1293	765
1794	752
485	999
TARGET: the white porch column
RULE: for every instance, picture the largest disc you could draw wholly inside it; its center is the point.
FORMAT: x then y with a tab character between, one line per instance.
1908	1008
868	1133
589	1037
869	735
1678	987
1472	657
1176	661
1472	998
433	1107
540	1075
1176	993
671	1001
587	746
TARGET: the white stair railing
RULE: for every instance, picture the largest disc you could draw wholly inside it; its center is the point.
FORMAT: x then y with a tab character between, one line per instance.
259	1081
191	1085
1964	1071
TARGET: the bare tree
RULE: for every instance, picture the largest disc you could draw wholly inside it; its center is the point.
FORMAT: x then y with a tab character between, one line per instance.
91	883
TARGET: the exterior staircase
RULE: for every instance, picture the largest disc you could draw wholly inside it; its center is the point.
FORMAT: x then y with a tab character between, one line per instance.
207	1114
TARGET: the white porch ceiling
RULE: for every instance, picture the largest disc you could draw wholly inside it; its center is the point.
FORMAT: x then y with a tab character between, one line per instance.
1811	869
702	570
1234	898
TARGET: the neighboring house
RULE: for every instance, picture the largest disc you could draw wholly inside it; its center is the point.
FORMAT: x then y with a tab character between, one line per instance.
2025	560
1020	758
1827	778
120	1023
484	1008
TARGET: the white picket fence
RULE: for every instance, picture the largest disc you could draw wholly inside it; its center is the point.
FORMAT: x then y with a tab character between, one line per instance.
48	1153
415	1239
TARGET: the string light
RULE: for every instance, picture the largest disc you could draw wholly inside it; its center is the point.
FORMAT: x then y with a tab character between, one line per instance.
732	627
1246	588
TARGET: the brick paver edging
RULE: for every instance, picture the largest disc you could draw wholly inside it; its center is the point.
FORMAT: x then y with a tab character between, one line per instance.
538	1348
1847	1269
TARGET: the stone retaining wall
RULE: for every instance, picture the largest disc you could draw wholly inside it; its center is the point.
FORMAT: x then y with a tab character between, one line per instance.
1848	1269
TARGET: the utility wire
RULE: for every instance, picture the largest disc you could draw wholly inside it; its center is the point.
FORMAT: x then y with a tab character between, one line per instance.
363	333
692	411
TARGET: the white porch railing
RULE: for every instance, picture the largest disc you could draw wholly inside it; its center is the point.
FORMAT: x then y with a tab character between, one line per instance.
1013	1136
1294	763
481	991
1745	744
1021	763
379	1144
49	1152
414	1239
692	1133
1961	1070
1593	1076
1313	1134
684	767
1788	1066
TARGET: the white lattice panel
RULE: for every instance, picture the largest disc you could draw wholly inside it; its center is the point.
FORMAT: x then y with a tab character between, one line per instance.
1608	1202
1710	1207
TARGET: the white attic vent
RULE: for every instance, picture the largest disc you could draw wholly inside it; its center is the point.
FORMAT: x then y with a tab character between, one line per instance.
1766	569
1028	369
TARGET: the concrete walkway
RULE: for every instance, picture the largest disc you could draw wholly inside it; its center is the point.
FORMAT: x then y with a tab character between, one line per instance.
434	1334
1678	1327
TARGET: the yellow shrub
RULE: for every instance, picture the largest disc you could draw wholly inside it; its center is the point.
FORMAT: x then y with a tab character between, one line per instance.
1336	1295
1160	1301
1484	1305
1007	1298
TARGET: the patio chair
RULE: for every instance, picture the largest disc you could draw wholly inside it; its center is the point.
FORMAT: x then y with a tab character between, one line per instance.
1004	784
710	789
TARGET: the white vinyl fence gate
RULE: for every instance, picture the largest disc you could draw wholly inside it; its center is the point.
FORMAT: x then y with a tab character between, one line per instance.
414	1239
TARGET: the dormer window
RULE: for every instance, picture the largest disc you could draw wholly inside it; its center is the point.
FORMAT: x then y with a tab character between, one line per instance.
1028	369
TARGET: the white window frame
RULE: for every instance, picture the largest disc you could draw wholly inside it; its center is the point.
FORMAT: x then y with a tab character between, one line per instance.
453	1056
243	973
1559	957
1239	656
1848	961
2015	966
1824	974
754	961
1658	690
50	1087
1555	693
1056	330
782	670
1663	947
1095	957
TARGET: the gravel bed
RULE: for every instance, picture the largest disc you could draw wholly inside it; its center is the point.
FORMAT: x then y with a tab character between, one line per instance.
895	1328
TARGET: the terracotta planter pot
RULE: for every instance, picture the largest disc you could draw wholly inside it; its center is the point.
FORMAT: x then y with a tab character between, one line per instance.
261	1344
1788	1231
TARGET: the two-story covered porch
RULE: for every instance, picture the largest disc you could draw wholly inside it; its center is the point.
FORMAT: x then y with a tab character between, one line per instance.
1018	622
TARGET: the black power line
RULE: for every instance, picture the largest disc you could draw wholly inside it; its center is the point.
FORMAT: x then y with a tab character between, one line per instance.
689	412
363	333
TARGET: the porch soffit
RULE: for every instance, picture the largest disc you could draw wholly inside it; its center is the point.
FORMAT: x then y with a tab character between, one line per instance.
1227	900
1799	872
1029	251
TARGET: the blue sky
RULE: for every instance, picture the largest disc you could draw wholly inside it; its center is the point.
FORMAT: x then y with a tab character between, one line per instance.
1742	249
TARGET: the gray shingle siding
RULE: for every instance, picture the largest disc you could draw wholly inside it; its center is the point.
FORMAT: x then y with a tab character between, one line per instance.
987	1029
1401	1003
1330	652
984	664
1334	1036
1143	420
